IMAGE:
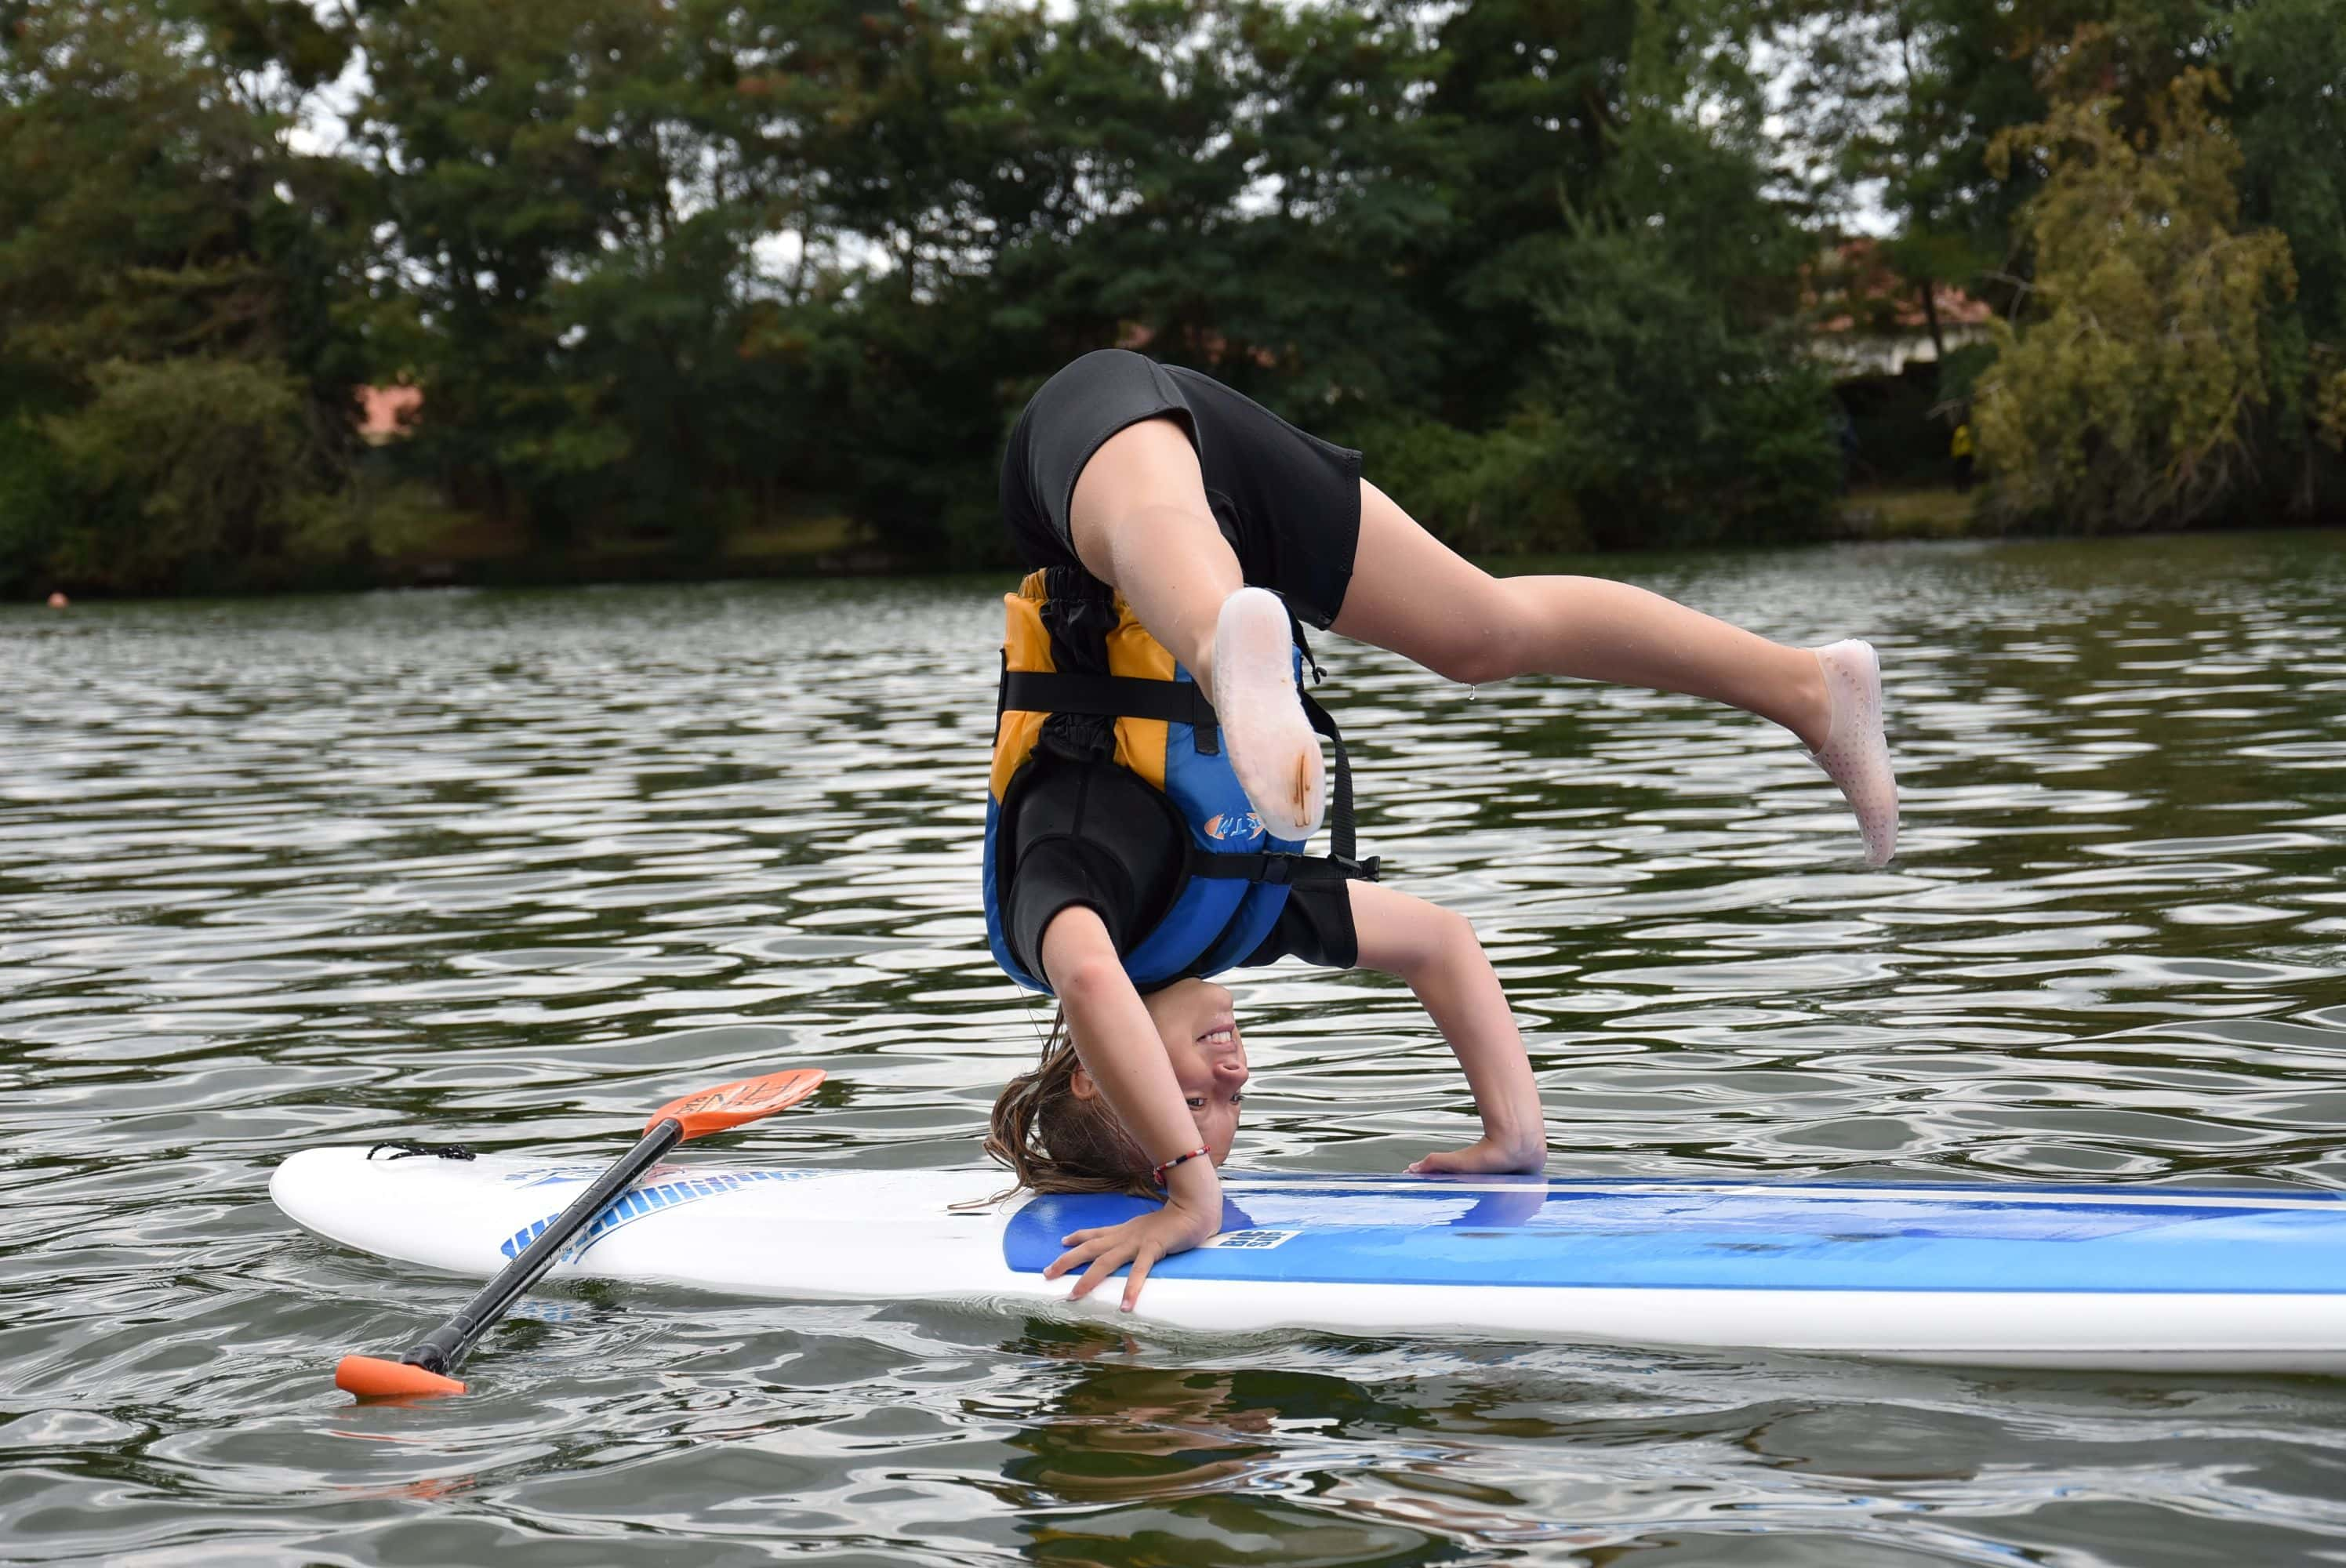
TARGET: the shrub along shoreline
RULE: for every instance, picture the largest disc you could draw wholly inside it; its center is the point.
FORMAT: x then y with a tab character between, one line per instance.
706	289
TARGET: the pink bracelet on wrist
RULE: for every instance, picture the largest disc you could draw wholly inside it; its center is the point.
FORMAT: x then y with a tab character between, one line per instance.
1157	1175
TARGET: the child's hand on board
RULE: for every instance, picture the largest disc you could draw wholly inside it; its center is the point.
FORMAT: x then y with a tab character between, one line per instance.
1486	1156
1139	1241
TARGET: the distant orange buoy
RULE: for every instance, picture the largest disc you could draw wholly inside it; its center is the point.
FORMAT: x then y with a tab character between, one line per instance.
58	601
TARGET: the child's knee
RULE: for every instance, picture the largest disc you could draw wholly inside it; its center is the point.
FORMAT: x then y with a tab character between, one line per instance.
1491	635
1482	645
1471	660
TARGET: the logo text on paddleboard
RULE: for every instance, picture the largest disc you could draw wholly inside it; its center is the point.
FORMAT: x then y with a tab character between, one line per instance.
1250	1240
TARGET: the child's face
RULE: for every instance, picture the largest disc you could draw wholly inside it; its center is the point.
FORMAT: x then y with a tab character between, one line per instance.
1201	1037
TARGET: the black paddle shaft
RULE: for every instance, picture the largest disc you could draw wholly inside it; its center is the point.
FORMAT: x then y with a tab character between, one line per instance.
443	1349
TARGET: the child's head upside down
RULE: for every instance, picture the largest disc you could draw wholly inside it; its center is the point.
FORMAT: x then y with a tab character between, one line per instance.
1053	1128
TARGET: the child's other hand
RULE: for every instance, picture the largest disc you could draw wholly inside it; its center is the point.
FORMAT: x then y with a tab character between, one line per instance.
1139	1241
1486	1156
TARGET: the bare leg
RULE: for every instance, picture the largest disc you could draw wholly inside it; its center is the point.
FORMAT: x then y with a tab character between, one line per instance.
1142	524
1412	594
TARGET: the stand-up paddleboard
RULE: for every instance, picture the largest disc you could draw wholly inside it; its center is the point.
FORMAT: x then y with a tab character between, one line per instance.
2146	1277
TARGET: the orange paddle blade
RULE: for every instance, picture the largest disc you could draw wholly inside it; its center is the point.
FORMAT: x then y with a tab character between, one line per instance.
730	1105
371	1378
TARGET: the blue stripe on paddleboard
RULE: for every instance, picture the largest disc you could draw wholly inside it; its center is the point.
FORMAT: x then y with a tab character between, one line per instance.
686	1187
1716	1236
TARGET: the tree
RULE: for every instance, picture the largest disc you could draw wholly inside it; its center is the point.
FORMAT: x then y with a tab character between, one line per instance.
168	277
1877	96
666	268
1634	314
2286	61
2121	401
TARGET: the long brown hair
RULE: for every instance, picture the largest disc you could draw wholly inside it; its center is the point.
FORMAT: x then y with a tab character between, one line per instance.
1054	1142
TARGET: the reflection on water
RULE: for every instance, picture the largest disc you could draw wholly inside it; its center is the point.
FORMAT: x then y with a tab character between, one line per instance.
515	868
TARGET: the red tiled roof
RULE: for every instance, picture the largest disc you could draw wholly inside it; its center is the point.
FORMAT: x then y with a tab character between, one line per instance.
1892	302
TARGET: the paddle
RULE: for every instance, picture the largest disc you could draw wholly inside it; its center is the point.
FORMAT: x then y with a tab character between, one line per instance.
424	1368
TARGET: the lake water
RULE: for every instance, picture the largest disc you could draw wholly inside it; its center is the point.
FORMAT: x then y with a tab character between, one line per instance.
515	868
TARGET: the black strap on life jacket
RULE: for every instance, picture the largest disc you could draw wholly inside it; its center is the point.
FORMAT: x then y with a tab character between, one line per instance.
1180	702
1114	696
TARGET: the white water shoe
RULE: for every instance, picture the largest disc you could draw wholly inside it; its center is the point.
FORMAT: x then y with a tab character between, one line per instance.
1271	744
1854	755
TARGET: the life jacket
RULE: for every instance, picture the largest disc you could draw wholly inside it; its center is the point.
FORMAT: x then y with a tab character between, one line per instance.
1084	681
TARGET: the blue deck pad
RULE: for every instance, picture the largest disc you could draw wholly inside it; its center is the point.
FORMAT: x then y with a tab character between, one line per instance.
1530	1231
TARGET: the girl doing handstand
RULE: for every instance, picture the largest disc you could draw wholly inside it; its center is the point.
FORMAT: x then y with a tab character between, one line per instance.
1156	770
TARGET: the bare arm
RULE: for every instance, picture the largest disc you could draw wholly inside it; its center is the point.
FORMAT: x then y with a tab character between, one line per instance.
1123	1053
1435	951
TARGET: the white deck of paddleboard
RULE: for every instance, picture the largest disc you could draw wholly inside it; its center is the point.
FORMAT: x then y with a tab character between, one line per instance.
881	1236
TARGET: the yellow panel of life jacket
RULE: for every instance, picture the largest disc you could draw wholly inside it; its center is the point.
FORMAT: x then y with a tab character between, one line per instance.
1131	651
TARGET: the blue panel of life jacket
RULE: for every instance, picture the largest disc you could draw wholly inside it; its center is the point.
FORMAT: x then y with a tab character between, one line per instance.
1082	679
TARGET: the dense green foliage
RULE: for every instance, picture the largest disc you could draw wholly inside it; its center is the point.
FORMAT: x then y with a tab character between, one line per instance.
2124	400
677	277
2172	349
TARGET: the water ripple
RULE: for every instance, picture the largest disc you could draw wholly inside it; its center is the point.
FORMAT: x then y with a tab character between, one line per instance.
511	866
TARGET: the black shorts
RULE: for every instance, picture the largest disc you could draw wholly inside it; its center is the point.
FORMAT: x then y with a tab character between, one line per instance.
1287	502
